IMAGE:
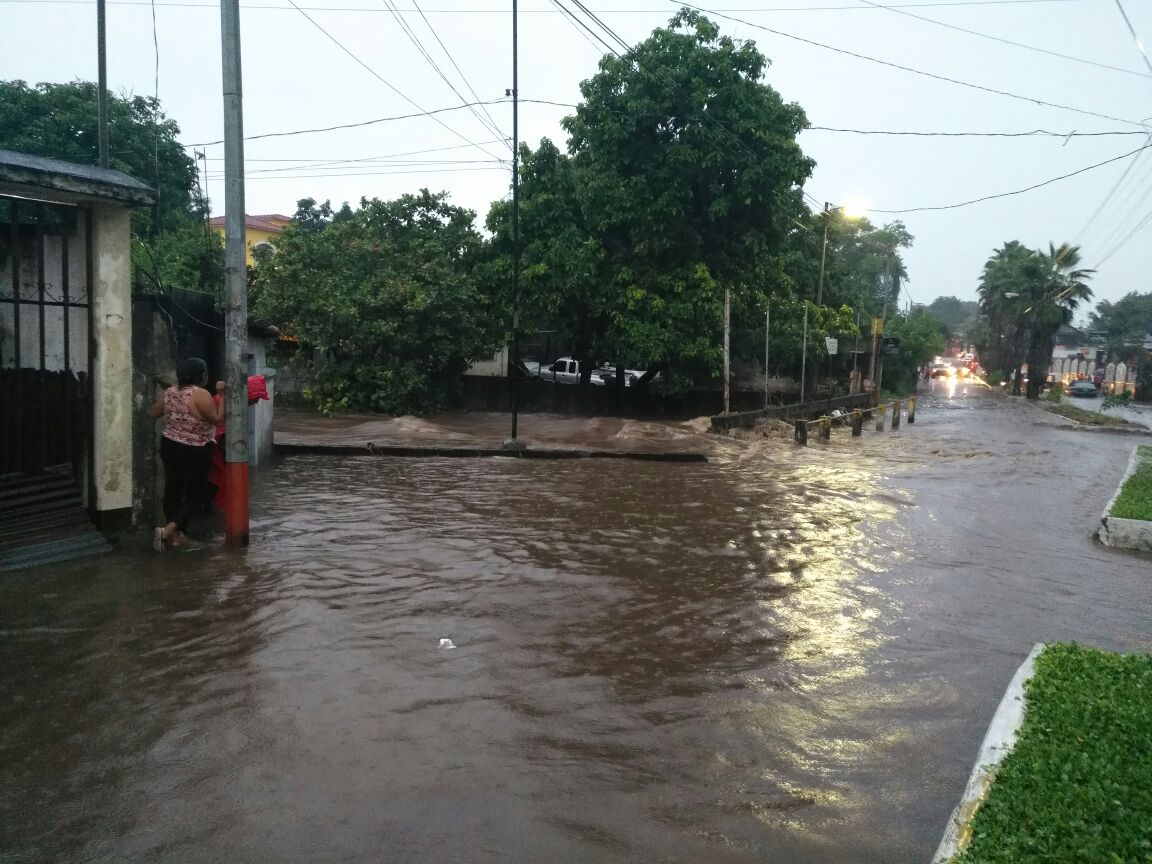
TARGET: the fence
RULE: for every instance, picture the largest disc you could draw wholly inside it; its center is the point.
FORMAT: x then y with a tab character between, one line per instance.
747	419
855	420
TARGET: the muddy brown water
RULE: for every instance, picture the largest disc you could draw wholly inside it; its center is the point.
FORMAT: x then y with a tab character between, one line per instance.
783	655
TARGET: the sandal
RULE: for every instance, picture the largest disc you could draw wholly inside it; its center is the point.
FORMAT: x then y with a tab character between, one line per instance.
158	539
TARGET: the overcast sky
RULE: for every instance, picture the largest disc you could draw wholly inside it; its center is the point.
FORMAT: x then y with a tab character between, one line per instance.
296	78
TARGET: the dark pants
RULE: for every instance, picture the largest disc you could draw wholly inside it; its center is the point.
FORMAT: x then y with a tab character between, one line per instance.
185	480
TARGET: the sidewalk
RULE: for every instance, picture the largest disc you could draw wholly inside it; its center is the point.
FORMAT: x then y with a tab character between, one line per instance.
483	434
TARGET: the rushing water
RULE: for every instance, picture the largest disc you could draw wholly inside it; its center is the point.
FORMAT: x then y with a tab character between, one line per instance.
777	656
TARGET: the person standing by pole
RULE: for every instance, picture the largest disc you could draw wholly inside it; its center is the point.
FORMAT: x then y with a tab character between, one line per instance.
235	281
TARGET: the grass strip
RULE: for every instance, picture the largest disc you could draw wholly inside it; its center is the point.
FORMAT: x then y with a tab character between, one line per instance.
1077	788
1091	418
1135	498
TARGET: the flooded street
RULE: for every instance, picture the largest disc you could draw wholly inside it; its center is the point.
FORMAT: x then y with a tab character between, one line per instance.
782	655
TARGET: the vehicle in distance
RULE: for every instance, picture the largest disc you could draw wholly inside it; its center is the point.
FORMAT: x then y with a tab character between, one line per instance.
1083	390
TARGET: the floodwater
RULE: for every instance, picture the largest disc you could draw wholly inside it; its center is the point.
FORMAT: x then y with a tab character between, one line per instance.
785	655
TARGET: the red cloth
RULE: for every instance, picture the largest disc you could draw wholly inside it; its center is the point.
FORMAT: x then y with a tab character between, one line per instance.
257	390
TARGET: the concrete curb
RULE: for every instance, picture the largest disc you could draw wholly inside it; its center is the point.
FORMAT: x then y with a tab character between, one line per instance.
371	449
1121	533
998	743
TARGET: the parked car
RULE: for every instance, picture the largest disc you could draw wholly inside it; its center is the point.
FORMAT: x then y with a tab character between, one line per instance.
1083	389
606	374
564	371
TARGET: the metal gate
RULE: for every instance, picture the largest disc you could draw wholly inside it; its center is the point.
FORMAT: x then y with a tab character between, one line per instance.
45	330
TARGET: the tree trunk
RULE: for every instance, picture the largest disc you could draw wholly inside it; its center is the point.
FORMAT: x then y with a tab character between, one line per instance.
1039	359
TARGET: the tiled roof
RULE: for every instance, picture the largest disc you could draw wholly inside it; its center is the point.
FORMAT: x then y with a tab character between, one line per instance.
272	222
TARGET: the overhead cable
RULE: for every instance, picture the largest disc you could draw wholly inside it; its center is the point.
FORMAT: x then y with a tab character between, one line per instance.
1132	30
273	6
421	113
387	83
1015	191
900	11
415	40
910	69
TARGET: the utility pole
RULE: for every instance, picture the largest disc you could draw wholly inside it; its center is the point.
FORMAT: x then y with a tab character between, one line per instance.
514	359
767	340
827	214
102	82
804	354
235	281
727	352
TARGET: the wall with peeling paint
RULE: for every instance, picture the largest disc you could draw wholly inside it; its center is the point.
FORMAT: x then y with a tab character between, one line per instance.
112	363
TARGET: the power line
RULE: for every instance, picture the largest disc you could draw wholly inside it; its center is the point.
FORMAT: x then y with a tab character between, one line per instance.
925	134
387	83
421	113
334	168
891	65
370	174
1140	226
415	40
1108	235
275	7
1030	134
362	158
581	28
1016	191
900	11
1132	30
1096	213
456	66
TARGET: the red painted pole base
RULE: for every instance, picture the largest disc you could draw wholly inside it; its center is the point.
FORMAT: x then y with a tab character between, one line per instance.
236	516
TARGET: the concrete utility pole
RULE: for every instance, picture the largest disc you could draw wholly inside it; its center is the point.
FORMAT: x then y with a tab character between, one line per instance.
767	340
514	358
235	281
727	352
102	83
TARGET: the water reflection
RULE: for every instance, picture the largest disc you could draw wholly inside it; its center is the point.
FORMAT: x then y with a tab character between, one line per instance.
654	663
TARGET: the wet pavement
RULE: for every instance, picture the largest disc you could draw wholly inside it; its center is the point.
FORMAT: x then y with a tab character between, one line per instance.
782	655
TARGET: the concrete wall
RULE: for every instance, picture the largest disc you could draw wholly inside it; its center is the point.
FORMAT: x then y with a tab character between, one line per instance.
112	363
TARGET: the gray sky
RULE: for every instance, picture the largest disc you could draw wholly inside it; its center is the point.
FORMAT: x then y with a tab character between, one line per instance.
295	78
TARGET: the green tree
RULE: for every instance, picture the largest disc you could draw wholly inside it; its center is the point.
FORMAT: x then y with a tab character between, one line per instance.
682	177
922	337
1123	325
955	314
59	121
386	297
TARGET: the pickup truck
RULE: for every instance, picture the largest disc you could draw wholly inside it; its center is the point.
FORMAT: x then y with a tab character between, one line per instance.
564	371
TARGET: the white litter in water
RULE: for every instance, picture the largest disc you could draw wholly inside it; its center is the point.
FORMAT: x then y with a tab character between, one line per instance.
446	643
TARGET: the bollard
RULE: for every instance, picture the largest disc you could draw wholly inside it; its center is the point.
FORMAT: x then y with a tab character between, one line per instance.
881	410
825	428
802	433
857	423
911	410
896	415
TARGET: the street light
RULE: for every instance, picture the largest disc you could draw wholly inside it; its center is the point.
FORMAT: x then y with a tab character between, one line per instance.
851	210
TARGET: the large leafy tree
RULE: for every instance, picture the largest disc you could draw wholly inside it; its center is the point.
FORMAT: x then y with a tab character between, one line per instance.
1123	325
59	121
955	314
172	246
681	179
387	298
922	337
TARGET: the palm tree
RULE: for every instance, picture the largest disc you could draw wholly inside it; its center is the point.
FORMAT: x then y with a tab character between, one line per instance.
1004	279
1055	292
